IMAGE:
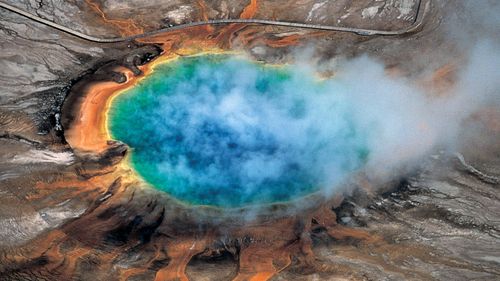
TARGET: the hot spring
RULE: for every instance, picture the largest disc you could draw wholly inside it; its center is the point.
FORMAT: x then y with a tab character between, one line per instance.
224	131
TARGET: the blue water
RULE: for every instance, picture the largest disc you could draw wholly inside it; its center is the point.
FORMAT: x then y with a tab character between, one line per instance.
224	131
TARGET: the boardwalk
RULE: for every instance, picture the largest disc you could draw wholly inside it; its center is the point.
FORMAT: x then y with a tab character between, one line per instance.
422	9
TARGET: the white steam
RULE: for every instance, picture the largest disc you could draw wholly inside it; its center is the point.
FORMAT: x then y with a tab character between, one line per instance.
246	139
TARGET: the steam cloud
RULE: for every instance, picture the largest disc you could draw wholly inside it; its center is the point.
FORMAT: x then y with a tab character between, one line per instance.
407	122
233	128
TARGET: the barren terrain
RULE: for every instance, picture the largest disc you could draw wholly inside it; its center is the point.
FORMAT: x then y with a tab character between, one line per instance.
70	209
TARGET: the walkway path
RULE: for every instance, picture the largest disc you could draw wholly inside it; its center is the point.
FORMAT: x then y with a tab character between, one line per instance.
422	9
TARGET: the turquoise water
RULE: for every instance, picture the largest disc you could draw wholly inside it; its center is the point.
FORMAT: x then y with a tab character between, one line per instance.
224	131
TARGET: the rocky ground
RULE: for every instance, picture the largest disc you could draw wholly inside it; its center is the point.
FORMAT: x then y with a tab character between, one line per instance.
73	215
